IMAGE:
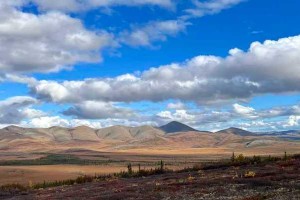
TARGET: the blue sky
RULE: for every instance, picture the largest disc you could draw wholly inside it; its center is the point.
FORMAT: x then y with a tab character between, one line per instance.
211	64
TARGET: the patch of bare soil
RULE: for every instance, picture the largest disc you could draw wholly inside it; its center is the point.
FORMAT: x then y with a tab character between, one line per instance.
279	180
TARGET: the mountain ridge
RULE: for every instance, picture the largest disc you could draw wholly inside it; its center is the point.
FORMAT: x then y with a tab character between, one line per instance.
171	127
175	136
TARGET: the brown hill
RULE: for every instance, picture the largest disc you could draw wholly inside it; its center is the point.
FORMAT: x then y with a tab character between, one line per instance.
15	138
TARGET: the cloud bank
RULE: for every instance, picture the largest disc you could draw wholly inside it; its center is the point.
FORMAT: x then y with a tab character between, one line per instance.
269	67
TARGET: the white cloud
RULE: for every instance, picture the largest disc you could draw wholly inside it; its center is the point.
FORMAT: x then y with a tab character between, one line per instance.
156	31
194	117
46	42
282	111
261	125
46	122
176	106
243	110
82	5
210	7
15	109
293	121
98	110
49	121
275	118
152	32
38	43
19	79
89	123
33	113
269	67
165	114
178	115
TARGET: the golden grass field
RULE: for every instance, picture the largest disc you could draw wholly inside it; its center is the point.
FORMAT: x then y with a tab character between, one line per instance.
37	174
174	158
26	175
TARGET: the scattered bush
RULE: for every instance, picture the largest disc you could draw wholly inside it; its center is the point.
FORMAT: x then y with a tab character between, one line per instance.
285	156
256	159
162	165
141	173
78	180
296	156
232	158
13	188
129	167
250	174
240	158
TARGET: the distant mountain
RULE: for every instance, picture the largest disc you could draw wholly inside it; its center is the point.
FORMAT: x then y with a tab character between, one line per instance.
170	136
174	127
280	133
237	131
289	132
289	135
81	133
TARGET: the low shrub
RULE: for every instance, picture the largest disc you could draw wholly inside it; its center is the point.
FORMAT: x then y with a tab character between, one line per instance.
78	180
141	173
13	187
250	174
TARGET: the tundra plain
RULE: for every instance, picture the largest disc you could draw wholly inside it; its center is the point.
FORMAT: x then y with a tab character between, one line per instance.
33	156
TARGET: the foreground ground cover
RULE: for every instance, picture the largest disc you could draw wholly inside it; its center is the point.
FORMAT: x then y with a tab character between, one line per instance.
277	178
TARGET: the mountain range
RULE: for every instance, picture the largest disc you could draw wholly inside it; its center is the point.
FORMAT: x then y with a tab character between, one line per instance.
172	135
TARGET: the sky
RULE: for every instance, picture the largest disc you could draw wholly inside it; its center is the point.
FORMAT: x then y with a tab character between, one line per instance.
211	64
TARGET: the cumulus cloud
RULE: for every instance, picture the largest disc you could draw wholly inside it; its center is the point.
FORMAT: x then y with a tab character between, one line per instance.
38	43
46	42
98	110
243	110
176	106
15	109
50	121
293	121
46	122
275	118
178	115
83	5
18	79
269	67
152	32
281	111
262	126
